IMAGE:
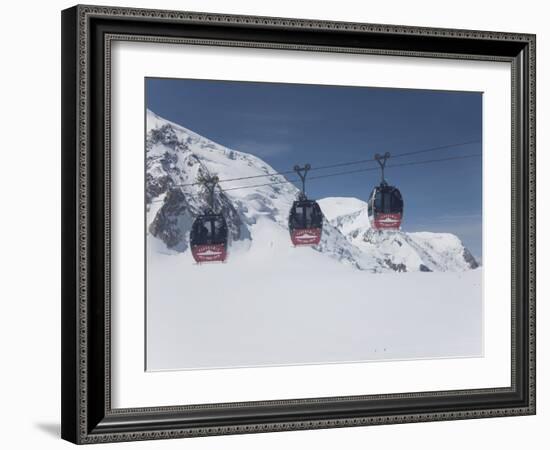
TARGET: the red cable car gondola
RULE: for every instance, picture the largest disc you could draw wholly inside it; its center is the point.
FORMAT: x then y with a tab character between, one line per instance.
385	205
305	220
208	237
385	208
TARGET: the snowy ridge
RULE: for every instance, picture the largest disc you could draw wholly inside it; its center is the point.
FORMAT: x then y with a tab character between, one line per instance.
340	206
175	158
423	251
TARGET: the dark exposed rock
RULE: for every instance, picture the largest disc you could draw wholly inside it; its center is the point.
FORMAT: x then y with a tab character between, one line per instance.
156	186
396	267
164	135
172	221
469	258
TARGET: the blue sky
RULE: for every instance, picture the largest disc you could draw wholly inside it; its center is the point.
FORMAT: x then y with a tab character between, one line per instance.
288	124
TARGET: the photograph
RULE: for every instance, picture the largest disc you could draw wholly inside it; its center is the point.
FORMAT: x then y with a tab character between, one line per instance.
297	224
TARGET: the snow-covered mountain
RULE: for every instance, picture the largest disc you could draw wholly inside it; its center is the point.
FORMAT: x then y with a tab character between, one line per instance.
257	216
401	251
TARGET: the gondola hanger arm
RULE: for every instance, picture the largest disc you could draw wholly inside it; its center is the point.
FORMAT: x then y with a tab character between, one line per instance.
381	160
302	173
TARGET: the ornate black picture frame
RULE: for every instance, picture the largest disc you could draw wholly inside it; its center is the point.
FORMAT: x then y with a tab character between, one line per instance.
87	34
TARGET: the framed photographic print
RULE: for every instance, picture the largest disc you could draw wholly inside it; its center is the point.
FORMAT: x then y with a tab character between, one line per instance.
278	224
